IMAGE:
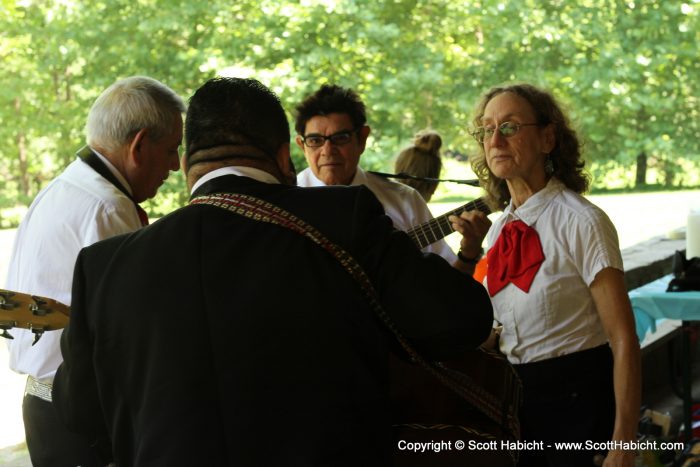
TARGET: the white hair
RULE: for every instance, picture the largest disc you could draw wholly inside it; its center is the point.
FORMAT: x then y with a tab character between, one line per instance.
127	107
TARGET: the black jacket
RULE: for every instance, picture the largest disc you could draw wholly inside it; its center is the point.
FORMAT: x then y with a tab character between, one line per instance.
211	339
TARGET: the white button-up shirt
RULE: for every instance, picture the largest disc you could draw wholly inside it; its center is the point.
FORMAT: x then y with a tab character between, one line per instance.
75	210
558	315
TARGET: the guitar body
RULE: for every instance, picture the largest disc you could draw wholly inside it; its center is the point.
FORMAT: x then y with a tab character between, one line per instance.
425	410
473	400
38	314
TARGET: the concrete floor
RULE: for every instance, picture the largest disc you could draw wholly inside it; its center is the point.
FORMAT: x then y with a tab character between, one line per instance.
15	456
13	451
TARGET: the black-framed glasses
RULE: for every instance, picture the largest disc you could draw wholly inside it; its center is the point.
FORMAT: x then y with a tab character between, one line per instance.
340	138
506	129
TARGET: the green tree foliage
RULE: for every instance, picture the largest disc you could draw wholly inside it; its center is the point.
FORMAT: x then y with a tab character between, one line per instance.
627	71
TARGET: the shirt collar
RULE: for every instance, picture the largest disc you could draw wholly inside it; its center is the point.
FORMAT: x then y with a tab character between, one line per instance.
114	171
531	209
241	171
360	178
311	178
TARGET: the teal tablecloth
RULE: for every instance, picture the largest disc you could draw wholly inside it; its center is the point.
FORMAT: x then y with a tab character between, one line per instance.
651	303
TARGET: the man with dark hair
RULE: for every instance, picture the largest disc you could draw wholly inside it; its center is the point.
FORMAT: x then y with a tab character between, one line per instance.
216	332
134	131
214	123
333	159
332	130
331	98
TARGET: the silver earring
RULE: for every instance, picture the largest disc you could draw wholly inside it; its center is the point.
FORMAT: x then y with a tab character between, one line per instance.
548	165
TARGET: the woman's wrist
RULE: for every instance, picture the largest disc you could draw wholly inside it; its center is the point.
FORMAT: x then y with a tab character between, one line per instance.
466	259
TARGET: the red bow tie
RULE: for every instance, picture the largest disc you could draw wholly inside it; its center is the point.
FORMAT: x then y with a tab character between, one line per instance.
515	257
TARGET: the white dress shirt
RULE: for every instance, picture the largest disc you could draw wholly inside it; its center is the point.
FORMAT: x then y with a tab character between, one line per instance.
558	315
404	205
75	210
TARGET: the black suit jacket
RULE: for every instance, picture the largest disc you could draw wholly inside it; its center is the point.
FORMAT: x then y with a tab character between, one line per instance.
211	339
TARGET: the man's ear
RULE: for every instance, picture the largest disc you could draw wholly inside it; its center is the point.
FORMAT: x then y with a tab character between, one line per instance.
285	164
136	147
362	136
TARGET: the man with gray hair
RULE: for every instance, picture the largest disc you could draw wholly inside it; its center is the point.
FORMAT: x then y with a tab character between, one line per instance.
134	131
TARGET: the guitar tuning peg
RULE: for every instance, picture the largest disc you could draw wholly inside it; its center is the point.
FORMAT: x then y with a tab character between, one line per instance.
36	311
38	332
5	303
37	335
39	300
5	325
38	307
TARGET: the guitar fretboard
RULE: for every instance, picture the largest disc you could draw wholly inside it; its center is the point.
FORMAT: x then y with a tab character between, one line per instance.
430	232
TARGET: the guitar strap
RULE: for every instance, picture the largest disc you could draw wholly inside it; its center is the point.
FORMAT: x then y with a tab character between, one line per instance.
262	211
90	158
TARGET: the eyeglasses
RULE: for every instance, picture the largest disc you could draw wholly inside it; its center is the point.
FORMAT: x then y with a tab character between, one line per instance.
337	139
505	129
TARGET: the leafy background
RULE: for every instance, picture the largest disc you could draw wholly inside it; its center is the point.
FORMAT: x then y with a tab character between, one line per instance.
627	71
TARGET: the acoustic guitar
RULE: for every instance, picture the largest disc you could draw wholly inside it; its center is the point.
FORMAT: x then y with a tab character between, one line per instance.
38	314
479	407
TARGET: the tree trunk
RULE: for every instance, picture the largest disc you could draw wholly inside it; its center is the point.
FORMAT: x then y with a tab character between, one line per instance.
641	179
669	173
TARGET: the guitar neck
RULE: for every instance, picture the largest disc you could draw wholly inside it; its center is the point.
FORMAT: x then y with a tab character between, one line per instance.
435	229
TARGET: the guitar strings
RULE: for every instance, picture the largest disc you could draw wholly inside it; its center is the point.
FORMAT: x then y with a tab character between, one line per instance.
425	235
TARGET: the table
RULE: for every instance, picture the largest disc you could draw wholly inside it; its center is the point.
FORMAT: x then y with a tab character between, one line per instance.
650	303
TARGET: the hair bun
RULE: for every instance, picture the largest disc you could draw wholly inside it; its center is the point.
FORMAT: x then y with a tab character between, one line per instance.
427	140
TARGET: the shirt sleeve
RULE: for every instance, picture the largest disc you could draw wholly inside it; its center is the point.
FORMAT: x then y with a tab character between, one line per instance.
110	220
596	245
